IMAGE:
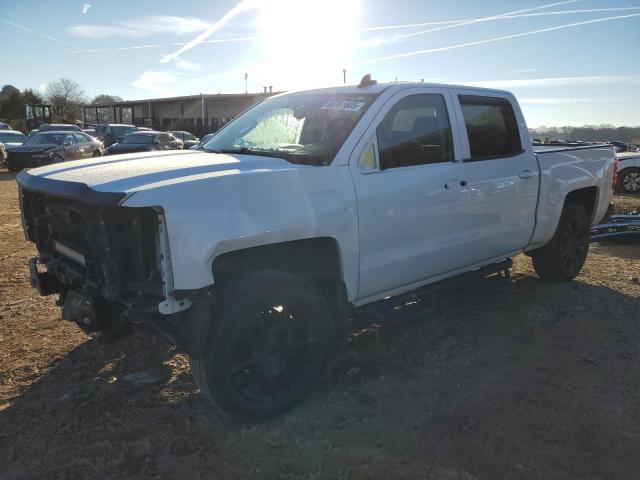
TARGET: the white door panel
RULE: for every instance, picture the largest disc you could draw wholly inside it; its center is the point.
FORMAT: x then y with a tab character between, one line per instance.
411	219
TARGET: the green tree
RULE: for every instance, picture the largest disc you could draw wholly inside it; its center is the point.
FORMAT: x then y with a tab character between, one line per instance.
105	99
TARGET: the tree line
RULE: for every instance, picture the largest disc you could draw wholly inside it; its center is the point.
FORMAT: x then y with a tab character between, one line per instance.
588	133
65	96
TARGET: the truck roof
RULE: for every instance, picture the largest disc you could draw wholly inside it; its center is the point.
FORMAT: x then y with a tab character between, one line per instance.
378	88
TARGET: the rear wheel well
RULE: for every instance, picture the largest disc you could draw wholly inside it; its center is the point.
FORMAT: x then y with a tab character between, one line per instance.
585	197
317	260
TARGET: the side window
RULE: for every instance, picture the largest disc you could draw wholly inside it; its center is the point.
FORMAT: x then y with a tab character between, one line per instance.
492	127
416	131
81	138
70	138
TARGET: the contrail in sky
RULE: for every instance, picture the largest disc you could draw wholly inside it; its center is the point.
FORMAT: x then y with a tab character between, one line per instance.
506	17
491	40
227	17
177	44
486	19
54	39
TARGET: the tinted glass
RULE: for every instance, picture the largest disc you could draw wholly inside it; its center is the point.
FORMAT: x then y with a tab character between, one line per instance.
120	132
306	128
12	137
70	138
82	138
140	139
416	131
46	138
491	127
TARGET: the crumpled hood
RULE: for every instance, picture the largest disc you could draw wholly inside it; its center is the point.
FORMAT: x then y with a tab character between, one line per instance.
144	171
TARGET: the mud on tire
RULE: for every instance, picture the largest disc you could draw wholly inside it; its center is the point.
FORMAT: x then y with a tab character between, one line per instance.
562	258
271	345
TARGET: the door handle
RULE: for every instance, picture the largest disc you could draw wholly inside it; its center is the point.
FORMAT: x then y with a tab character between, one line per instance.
527	174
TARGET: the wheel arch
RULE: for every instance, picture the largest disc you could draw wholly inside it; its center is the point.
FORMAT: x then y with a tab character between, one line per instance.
586	197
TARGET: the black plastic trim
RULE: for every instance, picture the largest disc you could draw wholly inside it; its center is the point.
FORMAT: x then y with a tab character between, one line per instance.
72	190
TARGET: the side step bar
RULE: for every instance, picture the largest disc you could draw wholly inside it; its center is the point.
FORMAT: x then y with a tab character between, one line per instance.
381	307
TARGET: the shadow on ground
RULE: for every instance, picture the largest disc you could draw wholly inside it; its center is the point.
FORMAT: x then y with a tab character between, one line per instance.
497	379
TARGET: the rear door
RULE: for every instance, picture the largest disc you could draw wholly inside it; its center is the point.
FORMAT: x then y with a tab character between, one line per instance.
85	149
411	203
501	173
71	151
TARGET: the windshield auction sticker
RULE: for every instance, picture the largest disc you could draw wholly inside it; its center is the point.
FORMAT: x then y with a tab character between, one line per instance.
343	105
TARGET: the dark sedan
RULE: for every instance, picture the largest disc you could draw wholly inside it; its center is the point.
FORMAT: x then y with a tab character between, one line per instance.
144	141
52	147
203	140
188	140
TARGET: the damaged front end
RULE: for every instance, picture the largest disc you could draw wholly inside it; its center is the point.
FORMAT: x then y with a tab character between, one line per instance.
110	264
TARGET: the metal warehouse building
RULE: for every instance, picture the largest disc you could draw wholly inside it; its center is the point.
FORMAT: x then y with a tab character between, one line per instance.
198	114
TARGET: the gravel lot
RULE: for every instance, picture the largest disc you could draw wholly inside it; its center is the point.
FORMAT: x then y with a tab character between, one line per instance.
500	379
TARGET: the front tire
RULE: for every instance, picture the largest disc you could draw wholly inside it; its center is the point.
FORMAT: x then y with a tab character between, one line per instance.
563	257
270	347
629	181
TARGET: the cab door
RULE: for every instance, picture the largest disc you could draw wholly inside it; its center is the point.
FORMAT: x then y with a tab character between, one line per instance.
501	173
410	197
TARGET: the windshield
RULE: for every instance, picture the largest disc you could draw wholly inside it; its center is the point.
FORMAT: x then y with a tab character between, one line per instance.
46	138
12	138
300	128
120	132
140	139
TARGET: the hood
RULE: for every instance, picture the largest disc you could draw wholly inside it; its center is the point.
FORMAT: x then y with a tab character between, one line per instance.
131	173
31	148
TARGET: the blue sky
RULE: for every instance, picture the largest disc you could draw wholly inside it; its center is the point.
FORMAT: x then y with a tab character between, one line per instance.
569	62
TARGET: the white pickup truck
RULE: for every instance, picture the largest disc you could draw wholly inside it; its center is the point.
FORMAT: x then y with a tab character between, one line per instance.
249	254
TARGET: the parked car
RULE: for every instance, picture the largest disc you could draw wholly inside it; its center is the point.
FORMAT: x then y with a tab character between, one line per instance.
113	132
144	141
202	141
9	138
12	138
91	132
620	147
52	147
5	126
251	253
59	127
188	140
629	174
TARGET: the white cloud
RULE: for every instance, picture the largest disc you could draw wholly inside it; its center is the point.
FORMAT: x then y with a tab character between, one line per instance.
85	8
187	65
42	87
141	27
155	81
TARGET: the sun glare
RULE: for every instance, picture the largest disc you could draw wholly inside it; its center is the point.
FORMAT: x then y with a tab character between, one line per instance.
308	42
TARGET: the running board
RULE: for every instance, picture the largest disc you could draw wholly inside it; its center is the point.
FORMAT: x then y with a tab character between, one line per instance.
392	303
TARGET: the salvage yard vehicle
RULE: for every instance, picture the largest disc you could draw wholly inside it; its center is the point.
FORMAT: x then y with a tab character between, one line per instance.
52	147
188	140
629	176
110	133
251	253
144	141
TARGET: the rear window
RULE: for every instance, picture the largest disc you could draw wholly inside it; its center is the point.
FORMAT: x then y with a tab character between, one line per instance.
140	139
492	127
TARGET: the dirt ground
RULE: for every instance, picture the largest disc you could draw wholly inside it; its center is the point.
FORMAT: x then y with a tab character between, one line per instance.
500	379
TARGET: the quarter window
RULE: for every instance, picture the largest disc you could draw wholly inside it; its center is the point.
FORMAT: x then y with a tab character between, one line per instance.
491	125
416	131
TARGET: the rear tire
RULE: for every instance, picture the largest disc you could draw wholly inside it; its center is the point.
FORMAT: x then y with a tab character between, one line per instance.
563	257
96	154
629	181
271	345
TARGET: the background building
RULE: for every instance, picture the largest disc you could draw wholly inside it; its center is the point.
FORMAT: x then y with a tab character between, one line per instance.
198	114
